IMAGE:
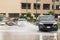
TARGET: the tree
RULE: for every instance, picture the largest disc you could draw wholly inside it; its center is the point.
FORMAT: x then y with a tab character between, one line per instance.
23	16
36	15
28	14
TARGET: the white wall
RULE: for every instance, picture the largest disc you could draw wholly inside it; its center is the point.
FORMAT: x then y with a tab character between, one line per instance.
9	6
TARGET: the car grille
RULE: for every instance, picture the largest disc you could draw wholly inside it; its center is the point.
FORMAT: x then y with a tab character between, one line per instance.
48	24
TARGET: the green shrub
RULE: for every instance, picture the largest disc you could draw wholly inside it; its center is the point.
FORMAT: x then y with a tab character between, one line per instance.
28	14
15	19
36	15
23	17
58	25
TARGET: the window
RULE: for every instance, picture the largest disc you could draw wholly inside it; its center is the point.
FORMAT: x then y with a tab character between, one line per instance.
55	0
52	6
57	7
29	5
36	6
3	14
25	5
46	6
13	14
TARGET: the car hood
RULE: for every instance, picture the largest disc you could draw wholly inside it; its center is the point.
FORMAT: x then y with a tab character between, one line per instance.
48	22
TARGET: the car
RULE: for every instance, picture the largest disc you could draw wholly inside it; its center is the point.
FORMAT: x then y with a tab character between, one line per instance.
47	23
2	23
10	22
21	21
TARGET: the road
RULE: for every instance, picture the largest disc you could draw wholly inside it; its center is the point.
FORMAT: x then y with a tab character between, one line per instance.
23	27
23	33
27	29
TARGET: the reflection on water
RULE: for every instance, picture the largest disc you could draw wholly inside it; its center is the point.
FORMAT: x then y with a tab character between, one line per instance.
23	36
18	36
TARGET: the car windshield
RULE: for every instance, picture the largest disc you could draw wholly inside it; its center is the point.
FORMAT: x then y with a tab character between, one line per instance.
47	18
22	19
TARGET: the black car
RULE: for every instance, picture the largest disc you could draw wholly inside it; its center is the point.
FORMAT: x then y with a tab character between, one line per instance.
47	23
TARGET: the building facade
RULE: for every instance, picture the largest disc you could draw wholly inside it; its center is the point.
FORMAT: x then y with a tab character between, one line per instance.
40	6
14	8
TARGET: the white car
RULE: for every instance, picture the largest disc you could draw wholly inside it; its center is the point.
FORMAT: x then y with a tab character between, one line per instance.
21	22
2	23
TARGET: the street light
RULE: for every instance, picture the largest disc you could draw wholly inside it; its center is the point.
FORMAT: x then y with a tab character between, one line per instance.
26	5
54	6
37	1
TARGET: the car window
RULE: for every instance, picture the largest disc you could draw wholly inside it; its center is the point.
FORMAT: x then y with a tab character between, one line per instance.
47	18
22	20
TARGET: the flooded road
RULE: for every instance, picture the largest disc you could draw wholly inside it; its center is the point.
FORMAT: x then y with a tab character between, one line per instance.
27	31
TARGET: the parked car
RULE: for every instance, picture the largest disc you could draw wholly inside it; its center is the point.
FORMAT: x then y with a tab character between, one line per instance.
10	23
2	23
21	21
47	23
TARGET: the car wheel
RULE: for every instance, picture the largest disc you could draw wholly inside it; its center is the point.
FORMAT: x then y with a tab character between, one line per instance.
56	30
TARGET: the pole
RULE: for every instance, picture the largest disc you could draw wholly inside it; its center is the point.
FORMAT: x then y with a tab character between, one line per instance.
36	9
54	6
26	6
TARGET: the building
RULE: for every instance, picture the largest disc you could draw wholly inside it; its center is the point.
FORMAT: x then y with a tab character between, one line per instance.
9	8
14	8
42	6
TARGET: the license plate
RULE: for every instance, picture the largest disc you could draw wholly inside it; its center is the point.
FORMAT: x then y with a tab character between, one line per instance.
48	26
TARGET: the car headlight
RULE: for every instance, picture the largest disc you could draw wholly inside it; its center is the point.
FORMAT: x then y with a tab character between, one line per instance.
55	23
